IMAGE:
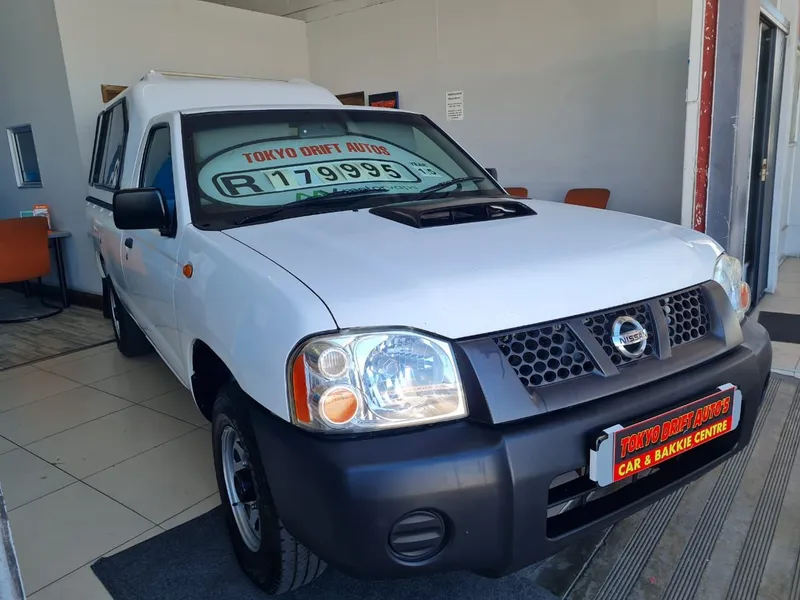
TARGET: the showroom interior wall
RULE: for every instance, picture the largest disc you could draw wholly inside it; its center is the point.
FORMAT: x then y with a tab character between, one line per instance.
34	91
556	94
64	50
168	35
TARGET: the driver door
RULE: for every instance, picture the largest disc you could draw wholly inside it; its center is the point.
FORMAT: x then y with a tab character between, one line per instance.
149	256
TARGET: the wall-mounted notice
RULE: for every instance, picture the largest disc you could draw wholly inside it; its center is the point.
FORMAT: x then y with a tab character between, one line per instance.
455	106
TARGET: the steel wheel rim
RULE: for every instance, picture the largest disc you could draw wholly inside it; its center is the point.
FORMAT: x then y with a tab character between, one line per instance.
238	475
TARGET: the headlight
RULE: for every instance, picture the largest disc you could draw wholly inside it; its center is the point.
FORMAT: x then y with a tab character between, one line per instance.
370	381
728	273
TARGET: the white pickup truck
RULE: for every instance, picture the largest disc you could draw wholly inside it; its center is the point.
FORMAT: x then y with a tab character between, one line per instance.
407	370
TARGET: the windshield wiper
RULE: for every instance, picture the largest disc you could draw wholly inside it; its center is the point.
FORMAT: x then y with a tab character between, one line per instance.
321	201
427	192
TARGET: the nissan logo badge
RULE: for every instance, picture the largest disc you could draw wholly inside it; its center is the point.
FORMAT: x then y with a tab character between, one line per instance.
629	337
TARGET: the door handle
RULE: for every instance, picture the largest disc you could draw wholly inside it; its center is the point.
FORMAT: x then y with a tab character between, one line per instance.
129	242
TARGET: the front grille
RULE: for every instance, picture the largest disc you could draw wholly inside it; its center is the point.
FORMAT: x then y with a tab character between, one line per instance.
687	316
553	353
600	326
546	355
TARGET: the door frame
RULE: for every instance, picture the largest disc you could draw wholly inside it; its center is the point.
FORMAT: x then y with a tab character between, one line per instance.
763	159
725	37
772	15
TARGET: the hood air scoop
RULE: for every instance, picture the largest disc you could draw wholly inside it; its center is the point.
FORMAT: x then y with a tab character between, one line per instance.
438	213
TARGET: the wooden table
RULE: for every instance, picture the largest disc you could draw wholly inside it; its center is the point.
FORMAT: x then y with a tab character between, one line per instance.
56	238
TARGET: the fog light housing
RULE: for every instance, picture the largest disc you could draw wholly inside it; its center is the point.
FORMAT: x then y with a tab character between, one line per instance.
417	536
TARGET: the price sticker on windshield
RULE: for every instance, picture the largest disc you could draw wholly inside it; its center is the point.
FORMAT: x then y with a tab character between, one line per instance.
425	170
244	173
363	170
282	179
324	173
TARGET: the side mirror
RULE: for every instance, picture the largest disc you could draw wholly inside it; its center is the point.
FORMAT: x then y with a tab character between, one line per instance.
142	208
493	172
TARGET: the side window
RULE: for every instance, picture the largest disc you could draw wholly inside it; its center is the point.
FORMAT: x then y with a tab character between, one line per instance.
23	155
157	165
109	147
97	153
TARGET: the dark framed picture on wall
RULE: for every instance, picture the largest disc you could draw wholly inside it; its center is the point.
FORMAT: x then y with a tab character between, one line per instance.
109	92
352	99
385	100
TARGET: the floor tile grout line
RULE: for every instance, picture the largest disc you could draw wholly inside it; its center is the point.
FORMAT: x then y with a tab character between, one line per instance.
91	562
78	480
74	481
132	404
161	524
16	446
136	512
180	387
195	428
118	546
75	389
173	416
50	493
141	365
80	385
82	480
37	364
165	414
89	385
75	426
57	356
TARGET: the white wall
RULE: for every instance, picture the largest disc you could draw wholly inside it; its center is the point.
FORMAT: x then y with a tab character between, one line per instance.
57	54
118	41
33	90
576	93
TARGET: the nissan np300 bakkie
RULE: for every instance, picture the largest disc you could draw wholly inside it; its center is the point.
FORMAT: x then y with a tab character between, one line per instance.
407	370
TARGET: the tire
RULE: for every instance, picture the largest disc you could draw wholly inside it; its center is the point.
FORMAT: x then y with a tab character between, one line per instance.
106	298
277	563
130	339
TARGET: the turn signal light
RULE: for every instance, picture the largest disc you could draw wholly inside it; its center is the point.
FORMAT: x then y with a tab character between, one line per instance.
744	297
300	390
338	405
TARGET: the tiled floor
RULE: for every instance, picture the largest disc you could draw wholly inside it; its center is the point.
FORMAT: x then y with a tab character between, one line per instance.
97	453
73	329
785	357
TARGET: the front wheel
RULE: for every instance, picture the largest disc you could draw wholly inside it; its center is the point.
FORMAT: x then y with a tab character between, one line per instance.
266	551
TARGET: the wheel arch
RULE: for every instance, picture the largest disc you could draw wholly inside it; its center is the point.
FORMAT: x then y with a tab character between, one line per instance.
208	374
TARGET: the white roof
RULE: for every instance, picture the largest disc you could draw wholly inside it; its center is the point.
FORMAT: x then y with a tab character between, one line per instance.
157	93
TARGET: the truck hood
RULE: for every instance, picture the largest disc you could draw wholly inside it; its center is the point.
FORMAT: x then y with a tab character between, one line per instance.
474	278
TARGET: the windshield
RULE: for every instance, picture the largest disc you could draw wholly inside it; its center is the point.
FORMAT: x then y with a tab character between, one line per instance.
244	163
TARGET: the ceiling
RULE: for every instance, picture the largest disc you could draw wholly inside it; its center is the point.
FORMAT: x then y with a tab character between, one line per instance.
305	10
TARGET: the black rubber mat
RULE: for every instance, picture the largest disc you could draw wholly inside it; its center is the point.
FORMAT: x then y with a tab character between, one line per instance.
195	561
782	327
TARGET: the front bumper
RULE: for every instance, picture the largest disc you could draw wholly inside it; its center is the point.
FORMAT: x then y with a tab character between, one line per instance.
490	484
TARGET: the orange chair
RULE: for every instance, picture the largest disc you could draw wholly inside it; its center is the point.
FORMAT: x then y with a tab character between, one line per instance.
25	255
591	197
517	192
